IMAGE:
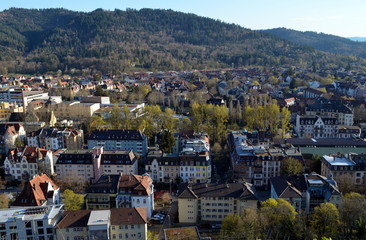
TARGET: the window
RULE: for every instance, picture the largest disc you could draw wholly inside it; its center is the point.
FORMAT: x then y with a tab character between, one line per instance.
126	235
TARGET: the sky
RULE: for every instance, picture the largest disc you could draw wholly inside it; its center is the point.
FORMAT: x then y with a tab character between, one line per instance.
337	17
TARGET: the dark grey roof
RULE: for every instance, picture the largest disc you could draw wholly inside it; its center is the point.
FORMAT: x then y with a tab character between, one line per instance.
105	184
118	157
284	188
329	106
132	135
234	190
322	142
76	157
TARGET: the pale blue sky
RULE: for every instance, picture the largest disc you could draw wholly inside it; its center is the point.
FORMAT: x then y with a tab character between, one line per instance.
338	17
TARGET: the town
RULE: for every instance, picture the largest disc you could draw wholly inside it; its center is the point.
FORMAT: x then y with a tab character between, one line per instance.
184	155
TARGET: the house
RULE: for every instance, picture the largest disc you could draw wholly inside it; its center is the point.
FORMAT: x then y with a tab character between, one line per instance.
39	191
23	163
133	140
30	222
212	202
115	223
135	191
116	162
8	134
56	138
306	191
316	127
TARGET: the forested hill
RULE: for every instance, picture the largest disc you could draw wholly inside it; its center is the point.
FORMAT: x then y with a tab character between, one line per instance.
321	41
34	41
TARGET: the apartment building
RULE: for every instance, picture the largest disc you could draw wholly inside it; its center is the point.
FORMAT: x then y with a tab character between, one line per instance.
119	162
74	110
212	202
6	109
115	223
56	138
30	222
21	97
24	163
8	134
135	191
102	194
257	161
133	140
331	108
306	191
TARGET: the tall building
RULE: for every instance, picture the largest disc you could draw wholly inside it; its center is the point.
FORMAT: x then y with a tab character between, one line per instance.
21	97
133	140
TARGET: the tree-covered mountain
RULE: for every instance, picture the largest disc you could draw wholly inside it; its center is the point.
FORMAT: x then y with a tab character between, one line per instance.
322	41
34	41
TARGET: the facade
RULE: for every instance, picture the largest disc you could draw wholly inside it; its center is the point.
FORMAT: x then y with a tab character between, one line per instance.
74	110
102	194
30	222
20	97
39	191
24	163
163	169
212	202
8	134
346	169
135	191
331	108
255	161
133	140
80	166
306	191
6	109
116	223
56	138
119	162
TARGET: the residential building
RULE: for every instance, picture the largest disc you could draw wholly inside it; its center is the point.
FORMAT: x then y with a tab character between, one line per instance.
133	140
306	191
74	110
135	191
200	202
6	109
256	161
115	223
163	168
24	163
80	166
102	194
331	108
56	138
348	169
39	191
119	162
30	222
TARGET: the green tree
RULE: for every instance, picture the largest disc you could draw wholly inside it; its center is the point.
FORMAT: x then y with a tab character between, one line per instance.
96	122
291	166
325	220
72	201
293	84
167	141
126	118
231	225
353	214
115	119
18	142
285	121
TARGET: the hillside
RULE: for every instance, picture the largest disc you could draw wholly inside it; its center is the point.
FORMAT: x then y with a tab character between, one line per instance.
322	42
37	41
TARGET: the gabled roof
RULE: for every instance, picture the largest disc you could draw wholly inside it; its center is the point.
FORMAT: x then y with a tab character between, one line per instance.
128	216
36	192
235	190
136	183
71	219
285	189
106	183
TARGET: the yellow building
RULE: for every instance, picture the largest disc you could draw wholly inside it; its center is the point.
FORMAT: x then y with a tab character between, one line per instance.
212	202
6	109
116	223
74	110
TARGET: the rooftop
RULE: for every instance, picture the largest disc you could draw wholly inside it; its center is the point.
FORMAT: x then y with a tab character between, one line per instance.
338	161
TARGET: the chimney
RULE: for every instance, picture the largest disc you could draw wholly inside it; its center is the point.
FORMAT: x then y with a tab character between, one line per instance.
109	178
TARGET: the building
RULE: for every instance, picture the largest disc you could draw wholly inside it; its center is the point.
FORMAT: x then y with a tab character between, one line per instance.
39	191
163	168
348	170
255	160
135	191
81	166
56	138
6	110
119	162
133	140
24	163
102	194
30	222
21	97
212	202
306	191
74	110
116	223
331	108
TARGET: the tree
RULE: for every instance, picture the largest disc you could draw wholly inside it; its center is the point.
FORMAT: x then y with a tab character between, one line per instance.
167	141
18	142
96	122
4	201
291	166
293	84
353	214
285	121
126	118
325	220
230	226
72	201
115	119
277	218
